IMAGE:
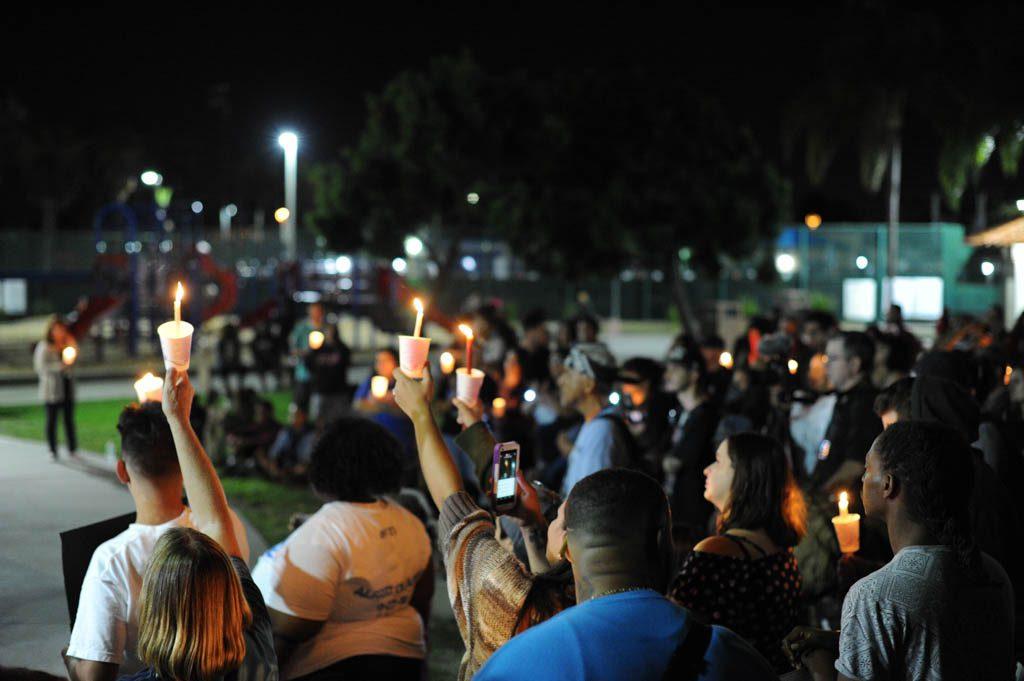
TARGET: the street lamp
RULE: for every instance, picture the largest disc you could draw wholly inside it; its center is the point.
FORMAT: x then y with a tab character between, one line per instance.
289	141
151	178
281	215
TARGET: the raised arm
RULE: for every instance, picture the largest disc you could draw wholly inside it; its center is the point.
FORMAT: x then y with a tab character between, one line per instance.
205	493
439	469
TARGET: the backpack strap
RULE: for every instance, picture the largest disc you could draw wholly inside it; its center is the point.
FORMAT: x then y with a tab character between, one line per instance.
688	660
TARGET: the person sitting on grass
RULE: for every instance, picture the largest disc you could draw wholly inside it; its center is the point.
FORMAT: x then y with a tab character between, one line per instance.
201	617
349	590
618	530
105	633
940	609
494	596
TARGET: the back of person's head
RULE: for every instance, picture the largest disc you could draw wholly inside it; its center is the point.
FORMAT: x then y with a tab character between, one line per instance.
825	321
858	344
951	365
192	610
895	398
355	459
534	318
625	511
764	495
641	370
146	443
936	399
931	463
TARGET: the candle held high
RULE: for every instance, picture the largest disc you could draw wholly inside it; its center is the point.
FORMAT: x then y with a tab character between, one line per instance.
413	350
467	379
847	526
149	388
176	337
69	355
379	387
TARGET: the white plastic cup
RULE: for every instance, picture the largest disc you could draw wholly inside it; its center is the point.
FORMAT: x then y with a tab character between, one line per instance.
847	532
412	355
467	385
176	344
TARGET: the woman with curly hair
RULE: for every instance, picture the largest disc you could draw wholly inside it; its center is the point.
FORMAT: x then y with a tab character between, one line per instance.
940	609
348	590
748	569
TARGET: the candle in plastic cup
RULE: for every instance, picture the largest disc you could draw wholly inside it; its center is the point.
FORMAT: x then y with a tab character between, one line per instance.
176	344
412	354
725	360
847	526
316	340
149	388
379	386
498	407
447	363
467	385
793	366
69	355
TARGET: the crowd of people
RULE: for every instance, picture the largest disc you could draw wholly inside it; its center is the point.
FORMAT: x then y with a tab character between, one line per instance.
673	515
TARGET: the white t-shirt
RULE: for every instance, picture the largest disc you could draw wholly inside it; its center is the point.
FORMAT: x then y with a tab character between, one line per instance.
107	625
353	567
915	619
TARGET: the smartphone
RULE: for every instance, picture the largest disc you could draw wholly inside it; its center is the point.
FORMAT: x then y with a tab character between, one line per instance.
506	465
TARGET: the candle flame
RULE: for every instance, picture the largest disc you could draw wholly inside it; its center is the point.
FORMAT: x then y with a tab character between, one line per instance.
794	366
447	362
499	403
466	330
1007	375
180	294
844	503
725	360
69	354
418	304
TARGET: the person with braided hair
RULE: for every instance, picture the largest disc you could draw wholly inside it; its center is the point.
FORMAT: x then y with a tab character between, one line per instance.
941	608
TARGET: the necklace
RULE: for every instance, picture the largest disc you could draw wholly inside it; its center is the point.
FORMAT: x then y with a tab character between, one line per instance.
611	592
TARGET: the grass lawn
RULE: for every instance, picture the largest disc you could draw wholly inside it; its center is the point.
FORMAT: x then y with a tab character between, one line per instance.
266	504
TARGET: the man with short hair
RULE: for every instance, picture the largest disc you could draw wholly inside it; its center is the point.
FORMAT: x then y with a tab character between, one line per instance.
854	425
299	345
584	386
893	403
105	632
619	541
940	609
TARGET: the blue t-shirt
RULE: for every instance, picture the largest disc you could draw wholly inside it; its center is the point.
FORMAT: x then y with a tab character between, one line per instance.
623	637
599	445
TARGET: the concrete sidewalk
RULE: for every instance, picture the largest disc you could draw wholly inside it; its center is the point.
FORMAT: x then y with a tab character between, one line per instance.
38	500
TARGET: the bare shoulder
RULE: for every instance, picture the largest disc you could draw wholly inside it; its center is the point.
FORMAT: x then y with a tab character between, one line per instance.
719	545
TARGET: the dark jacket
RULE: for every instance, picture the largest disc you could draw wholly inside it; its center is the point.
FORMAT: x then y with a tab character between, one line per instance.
854	426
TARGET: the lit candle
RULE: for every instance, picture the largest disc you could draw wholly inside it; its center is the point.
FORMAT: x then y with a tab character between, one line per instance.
379	386
468	332
1007	375
418	304
68	355
725	360
498	407
177	305
447	363
149	388
794	366
847	526
316	340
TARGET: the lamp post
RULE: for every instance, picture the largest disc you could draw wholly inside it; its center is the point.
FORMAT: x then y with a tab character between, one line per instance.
289	141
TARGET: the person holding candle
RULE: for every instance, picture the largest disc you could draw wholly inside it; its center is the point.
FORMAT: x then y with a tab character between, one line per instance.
941	608
761	518
56	387
299	343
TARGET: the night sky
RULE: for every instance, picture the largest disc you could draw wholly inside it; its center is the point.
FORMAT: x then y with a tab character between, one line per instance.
201	93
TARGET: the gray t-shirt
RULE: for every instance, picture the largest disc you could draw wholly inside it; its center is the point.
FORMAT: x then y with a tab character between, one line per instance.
915	619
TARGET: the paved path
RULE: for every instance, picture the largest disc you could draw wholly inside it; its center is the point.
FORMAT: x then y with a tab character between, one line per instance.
38	500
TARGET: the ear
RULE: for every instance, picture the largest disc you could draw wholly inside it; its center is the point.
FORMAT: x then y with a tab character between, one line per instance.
568	552
890	486
122	472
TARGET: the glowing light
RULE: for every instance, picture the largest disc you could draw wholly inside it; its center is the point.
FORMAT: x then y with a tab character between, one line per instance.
472	198
1020	205
725	360
203	247
469	263
413	246
812	220
498	407
69	355
345	284
231	210
289	141
344	264
281	215
316	340
530	395
151	178
1007	375
197	207
418	304
447	363
793	366
987	268
466	330
399	265
149	388
862	262
785	263
379	386
844	504
614	399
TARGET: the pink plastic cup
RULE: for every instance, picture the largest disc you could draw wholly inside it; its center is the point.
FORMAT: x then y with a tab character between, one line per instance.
176	344
467	385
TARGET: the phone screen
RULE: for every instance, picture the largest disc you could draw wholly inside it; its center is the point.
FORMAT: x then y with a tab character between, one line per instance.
505	486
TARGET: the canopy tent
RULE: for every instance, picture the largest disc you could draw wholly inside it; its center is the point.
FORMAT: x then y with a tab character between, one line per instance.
1008	235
